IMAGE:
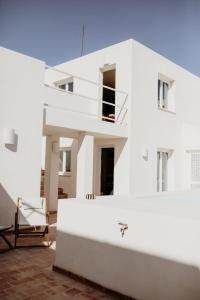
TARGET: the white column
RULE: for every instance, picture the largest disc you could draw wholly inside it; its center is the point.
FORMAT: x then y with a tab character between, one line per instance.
85	165
51	172
122	168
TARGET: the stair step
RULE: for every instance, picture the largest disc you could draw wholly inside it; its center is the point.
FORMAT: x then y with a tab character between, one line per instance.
60	190
63	196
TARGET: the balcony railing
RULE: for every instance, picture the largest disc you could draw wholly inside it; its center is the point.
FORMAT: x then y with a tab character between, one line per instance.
91	92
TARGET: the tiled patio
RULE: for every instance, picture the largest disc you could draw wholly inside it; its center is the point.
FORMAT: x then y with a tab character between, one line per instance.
26	273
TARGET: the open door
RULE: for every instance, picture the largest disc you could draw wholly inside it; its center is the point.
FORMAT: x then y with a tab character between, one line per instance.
108	111
107	171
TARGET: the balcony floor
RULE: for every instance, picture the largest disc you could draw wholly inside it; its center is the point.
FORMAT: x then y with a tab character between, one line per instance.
26	273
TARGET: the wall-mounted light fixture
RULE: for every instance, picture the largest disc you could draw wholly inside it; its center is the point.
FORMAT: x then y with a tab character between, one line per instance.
145	153
8	136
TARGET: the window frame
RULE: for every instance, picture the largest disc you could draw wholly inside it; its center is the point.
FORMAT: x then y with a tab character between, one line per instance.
64	164
167	173
165	94
67	82
162	170
192	184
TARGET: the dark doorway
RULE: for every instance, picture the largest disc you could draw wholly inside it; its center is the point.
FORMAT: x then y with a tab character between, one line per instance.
107	171
108	111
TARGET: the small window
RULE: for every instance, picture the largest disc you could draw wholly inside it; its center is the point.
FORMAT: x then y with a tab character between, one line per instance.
64	161
163	88
69	86
62	86
165	95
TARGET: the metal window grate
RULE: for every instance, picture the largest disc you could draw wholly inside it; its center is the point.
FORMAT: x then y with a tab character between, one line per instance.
195	166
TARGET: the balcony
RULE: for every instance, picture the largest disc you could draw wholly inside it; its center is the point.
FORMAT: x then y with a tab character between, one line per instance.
81	109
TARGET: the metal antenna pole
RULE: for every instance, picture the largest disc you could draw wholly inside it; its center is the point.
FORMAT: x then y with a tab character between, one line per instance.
82	41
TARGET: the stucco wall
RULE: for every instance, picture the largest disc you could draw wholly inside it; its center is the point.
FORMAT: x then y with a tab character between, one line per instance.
158	257
89	67
152	128
21	95
137	71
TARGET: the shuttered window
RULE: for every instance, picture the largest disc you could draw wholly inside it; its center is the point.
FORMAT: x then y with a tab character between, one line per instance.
195	166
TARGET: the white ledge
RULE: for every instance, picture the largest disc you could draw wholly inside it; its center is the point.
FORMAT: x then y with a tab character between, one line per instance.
166	110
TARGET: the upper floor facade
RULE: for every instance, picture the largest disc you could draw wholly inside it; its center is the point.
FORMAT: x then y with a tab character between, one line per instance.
111	91
125	92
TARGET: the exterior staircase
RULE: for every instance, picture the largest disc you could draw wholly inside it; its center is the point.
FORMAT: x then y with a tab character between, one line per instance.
61	194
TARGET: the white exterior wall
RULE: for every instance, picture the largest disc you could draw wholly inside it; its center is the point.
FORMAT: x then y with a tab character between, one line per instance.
156	259
21	93
89	67
152	128
137	69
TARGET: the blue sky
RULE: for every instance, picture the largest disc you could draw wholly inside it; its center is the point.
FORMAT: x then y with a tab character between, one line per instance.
51	29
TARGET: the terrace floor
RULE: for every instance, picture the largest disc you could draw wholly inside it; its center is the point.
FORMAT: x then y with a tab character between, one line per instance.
26	273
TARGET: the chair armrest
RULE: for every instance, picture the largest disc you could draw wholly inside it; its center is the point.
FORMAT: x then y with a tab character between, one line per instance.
47	217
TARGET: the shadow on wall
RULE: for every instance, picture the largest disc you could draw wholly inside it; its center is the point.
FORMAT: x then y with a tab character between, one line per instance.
7	207
127	271
121	146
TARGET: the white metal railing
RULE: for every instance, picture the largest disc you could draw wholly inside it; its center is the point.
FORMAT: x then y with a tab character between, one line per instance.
120	108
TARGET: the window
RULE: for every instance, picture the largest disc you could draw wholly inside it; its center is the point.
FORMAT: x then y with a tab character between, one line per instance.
69	86
195	170
166	94
162	164
64	161
62	86
163	88
66	84
108	96
195	166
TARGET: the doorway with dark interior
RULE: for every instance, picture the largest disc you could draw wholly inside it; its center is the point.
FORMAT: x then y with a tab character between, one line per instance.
108	95
107	171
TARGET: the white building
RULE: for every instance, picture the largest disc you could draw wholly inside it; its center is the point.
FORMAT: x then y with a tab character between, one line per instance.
125	118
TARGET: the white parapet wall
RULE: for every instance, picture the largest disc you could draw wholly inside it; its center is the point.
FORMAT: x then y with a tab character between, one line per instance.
158	256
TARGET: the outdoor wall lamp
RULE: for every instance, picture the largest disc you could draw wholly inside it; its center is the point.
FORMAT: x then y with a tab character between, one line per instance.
8	136
145	153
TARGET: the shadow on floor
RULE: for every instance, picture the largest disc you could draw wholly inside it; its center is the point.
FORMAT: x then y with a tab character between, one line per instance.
26	273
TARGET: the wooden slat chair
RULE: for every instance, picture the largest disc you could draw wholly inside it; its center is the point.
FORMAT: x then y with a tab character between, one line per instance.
31	219
3	229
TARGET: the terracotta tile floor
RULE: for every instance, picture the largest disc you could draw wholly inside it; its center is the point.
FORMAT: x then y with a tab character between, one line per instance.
26	273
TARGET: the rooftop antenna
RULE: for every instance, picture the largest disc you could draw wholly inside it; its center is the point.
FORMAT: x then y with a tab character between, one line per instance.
82	39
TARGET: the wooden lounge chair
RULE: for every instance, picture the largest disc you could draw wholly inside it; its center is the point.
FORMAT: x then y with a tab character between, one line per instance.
3	229
31	219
